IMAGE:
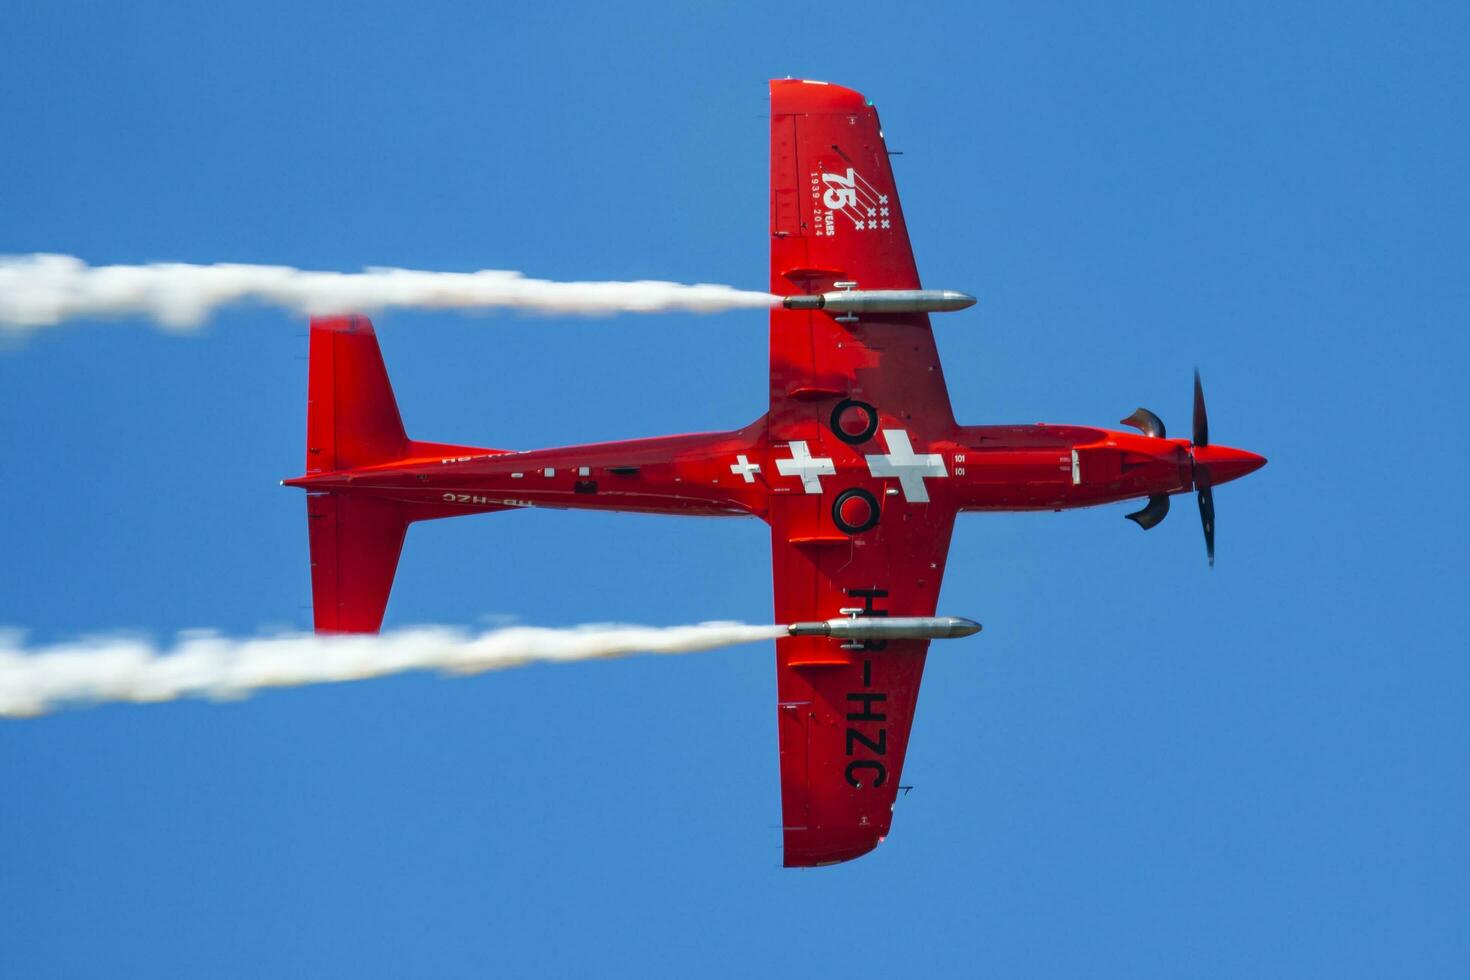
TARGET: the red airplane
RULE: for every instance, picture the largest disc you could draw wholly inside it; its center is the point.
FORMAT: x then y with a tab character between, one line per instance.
858	466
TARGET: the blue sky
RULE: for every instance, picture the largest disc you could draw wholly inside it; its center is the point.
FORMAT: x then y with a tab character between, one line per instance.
1143	767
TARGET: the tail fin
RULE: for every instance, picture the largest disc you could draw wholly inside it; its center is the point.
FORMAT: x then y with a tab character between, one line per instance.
355	543
352	421
351	416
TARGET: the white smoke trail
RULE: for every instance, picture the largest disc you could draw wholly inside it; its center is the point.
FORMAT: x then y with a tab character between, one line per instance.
44	290
35	681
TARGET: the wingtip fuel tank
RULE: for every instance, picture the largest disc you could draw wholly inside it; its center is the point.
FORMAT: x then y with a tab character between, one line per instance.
888	628
882	301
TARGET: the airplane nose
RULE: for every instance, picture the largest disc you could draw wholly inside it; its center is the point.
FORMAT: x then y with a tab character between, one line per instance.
1226	464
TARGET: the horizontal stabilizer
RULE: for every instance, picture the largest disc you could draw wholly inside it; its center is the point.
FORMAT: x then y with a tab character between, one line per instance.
355	543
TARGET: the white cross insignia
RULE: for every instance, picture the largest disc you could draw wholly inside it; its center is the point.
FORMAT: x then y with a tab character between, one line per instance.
801	464
745	469
910	469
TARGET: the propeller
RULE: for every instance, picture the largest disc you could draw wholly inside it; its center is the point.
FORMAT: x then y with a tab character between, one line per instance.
1202	473
1156	510
1157	507
1209	464
1146	422
1201	418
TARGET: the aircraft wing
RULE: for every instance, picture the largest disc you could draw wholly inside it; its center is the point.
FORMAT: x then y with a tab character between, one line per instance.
835	218
845	714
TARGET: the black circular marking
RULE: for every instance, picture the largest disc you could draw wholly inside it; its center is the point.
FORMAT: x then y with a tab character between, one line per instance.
854	439
847	495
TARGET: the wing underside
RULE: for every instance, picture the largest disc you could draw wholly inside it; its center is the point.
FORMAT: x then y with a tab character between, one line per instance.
845	714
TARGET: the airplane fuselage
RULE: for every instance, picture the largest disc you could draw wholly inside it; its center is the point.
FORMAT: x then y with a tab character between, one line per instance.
978	468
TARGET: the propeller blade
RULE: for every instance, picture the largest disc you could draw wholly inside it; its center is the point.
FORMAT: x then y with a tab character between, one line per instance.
1207	520
1156	510
1201	420
1146	422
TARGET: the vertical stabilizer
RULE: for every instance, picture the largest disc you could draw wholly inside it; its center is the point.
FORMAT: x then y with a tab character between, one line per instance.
351	416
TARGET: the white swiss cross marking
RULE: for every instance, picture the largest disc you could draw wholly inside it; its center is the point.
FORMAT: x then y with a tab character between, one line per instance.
745	469
803	465
910	469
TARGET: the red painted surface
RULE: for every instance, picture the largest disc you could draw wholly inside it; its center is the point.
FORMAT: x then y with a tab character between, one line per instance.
843	716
